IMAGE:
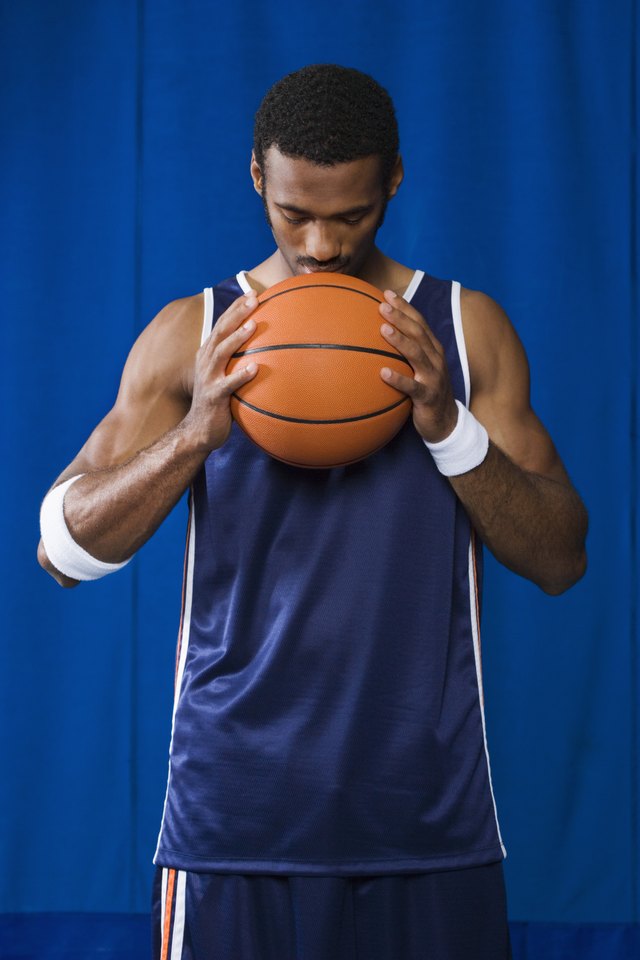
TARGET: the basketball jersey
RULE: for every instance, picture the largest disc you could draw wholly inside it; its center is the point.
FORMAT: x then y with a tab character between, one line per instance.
329	715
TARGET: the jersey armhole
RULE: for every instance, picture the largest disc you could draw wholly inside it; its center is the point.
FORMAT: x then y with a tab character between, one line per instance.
456	312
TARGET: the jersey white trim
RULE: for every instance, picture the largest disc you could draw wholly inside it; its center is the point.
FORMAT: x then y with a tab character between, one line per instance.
179	916
207	320
186	619
185	625
184	644
243	283
456	312
182	656
414	283
475	630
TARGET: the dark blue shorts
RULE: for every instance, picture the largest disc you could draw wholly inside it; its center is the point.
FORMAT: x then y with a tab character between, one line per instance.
452	915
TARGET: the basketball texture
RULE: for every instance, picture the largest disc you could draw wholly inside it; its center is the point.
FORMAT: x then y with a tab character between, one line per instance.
318	399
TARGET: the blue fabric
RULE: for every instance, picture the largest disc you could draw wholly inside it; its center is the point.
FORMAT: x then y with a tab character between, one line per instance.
451	915
329	717
126	132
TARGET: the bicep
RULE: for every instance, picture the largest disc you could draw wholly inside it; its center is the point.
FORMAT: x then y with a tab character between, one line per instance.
152	398
500	388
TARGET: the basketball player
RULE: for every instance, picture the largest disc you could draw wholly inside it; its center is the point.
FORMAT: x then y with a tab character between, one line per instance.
329	793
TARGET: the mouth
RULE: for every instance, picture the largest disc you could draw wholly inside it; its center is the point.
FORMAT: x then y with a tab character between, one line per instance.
317	268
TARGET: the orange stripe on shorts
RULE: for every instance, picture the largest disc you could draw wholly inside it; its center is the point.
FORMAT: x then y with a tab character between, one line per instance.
168	910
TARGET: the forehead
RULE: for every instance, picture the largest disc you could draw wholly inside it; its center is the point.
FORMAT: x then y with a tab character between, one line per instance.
309	186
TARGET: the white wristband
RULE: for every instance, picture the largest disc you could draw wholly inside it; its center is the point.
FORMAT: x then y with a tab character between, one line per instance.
65	554
464	448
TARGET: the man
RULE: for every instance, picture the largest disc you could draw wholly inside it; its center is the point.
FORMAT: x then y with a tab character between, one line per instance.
329	793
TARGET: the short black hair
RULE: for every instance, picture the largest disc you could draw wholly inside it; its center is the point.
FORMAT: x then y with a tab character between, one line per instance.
328	114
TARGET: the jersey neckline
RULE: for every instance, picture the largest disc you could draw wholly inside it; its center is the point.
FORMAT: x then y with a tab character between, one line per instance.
413	285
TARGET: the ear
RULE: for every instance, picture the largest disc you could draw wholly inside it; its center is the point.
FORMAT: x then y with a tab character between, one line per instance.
256	174
397	177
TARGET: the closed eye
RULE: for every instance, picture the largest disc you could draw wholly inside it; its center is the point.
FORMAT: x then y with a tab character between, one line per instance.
351	221
351	217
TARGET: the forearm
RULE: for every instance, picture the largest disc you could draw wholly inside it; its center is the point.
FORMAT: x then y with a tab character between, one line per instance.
534	525
111	513
173	409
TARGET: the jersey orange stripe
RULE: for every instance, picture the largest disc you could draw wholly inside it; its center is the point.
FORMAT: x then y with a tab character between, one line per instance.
171	881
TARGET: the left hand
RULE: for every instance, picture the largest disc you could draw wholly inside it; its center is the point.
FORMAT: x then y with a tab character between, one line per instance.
434	409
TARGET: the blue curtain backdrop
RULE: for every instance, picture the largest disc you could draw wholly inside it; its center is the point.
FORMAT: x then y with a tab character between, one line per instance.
126	131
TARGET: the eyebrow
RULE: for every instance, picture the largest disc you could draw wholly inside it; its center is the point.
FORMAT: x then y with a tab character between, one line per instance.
351	212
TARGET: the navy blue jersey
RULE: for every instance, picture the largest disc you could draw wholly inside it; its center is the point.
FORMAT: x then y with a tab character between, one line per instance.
329	715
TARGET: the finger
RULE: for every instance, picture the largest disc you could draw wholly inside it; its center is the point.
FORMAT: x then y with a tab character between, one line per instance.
408	385
233	316
241	375
406	317
419	392
399	303
413	329
219	352
232	343
422	355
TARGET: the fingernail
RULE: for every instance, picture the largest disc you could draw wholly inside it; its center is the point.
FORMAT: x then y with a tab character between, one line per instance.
251	367
249	325
386	308
387	329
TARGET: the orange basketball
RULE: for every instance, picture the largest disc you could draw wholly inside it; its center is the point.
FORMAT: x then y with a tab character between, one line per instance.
318	399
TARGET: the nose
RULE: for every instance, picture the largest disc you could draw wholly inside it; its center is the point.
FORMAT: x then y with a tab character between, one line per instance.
322	242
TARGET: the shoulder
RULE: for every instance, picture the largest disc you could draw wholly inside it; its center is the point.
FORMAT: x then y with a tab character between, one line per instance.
164	353
493	347
178	320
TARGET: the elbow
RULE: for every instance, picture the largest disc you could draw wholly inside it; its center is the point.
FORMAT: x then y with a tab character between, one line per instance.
571	562
48	567
565	576
43	558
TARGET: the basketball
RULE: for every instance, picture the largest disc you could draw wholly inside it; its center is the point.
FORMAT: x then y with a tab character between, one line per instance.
318	399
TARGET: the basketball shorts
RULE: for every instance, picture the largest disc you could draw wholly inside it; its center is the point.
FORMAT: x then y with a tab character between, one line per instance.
452	915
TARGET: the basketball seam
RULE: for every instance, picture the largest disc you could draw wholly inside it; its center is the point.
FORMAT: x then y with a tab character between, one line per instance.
280	416
318	286
340	463
321	346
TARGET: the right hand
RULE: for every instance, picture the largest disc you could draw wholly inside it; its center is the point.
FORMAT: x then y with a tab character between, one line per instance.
209	418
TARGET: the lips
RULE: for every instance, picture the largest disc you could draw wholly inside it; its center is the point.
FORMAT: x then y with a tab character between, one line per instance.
332	269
